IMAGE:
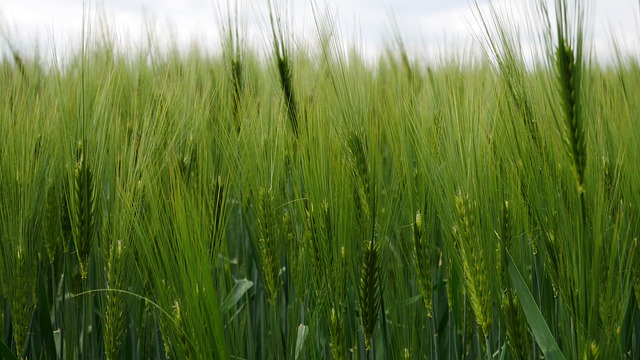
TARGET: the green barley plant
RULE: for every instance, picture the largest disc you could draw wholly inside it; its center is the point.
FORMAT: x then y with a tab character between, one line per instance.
316	203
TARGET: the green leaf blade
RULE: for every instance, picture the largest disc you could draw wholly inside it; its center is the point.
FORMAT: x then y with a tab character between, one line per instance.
539	328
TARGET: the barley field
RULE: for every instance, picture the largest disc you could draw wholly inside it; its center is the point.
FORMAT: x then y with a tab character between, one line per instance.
312	204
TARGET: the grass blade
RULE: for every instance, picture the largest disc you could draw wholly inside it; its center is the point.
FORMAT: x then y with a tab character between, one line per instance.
6	353
303	331
538	325
238	291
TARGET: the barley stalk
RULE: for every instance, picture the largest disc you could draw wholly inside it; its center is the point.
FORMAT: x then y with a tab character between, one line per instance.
267	243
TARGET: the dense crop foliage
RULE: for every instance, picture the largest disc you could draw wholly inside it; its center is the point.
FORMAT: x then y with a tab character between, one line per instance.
312	206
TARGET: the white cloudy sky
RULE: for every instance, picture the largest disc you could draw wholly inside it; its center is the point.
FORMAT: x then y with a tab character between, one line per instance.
426	25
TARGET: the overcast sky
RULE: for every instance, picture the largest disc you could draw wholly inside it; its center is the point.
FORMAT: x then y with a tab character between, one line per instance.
427	26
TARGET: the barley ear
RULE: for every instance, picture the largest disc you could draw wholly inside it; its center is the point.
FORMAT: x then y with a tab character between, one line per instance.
83	221
115	311
474	264
370	293
283	61
237	83
569	67
512	314
569	86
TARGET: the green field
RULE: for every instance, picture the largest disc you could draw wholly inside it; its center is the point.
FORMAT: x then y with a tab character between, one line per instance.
313	204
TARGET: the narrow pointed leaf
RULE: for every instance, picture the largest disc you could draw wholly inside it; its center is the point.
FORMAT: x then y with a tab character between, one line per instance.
6	353
239	289
539	327
303	331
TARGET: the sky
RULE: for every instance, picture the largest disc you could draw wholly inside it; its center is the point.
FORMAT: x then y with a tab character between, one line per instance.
428	27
